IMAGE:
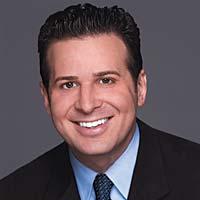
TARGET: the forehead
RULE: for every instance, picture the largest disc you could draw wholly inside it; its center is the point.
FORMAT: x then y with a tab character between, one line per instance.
93	52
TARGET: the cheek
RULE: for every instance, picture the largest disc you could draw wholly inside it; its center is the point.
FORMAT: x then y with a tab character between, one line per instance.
60	104
124	100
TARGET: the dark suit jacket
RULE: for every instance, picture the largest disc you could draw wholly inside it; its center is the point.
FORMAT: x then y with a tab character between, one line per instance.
167	168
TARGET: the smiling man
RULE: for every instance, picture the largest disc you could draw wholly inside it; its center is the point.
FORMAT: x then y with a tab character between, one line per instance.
93	83
97	126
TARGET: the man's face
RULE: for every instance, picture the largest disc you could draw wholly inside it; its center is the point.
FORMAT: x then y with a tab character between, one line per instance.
92	97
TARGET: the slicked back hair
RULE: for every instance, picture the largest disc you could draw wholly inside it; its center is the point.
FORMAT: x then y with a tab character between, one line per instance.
88	20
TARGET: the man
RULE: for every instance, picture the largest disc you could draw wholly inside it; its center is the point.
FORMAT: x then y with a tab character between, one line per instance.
92	84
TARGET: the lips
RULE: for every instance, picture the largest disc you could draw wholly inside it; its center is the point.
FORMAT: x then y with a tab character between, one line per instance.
93	127
93	123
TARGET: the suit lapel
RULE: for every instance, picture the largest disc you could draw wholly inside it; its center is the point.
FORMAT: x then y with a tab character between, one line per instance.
149	180
62	184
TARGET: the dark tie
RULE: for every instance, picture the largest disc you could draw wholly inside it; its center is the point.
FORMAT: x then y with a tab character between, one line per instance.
102	187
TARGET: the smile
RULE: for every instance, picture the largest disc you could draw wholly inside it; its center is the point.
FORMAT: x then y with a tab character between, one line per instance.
93	123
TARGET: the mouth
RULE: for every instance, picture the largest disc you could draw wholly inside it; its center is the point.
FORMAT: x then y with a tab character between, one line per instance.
93	124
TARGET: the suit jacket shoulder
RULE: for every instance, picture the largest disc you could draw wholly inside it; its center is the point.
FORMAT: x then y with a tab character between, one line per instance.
47	177
167	167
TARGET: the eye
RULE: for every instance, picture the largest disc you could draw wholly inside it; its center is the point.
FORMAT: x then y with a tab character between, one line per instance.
106	81
69	85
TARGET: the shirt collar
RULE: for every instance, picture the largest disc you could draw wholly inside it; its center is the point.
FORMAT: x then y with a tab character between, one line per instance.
120	172
84	175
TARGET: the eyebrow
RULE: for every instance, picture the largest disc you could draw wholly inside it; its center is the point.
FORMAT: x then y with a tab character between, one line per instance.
98	74
67	78
104	73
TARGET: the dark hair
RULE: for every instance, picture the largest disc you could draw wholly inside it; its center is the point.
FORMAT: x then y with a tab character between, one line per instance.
83	20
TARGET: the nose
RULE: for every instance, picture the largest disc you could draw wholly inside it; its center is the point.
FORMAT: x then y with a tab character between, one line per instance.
88	99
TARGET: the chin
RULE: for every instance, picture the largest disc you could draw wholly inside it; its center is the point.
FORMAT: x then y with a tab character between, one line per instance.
94	150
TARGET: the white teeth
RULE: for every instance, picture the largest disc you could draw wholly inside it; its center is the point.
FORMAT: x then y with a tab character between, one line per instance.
94	123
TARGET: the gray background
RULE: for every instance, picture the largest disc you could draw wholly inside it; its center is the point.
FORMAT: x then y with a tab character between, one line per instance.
170	45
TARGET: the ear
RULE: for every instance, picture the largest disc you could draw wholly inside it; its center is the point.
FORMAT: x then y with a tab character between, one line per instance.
46	97
141	87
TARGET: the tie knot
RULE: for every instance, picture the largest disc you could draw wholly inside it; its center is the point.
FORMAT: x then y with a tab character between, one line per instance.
102	187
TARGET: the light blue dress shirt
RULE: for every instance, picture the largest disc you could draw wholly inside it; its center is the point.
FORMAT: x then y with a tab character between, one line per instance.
120	173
